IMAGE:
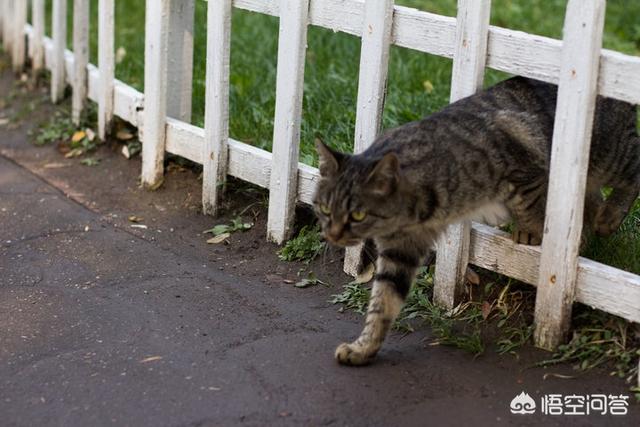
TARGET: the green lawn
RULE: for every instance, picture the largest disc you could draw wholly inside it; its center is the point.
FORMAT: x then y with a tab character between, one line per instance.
418	83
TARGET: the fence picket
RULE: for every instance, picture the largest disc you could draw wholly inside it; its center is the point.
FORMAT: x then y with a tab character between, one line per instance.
469	61
372	84
292	46
584	24
180	60
81	58
155	90
7	12
106	65
37	41
59	36
216	122
19	46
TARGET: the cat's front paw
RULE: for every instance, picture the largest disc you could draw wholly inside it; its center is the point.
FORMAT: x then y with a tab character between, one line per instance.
525	238
353	355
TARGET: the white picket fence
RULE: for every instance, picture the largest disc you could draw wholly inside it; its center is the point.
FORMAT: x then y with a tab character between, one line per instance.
578	64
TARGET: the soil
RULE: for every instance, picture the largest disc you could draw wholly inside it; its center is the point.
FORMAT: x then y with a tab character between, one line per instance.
103	323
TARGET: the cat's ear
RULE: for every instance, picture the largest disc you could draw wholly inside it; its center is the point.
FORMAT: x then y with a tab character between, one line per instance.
385	176
329	160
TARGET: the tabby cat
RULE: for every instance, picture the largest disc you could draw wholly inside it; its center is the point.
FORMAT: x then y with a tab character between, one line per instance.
489	149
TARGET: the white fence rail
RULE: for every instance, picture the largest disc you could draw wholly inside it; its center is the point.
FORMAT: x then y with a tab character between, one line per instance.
467	39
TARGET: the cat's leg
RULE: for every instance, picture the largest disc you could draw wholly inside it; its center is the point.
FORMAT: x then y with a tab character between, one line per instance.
625	184
395	271
527	206
613	211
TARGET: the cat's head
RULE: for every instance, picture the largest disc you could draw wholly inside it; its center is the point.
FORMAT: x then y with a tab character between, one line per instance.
357	198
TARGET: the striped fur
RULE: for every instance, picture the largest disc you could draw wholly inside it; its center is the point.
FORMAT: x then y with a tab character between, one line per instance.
490	149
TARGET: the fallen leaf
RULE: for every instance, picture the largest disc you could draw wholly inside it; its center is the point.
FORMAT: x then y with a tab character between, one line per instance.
219	238
91	135
134	218
289	281
55	165
366	275
124	135
74	153
305	283
78	136
151	359
125	152
554	375
4	121
144	227
486	309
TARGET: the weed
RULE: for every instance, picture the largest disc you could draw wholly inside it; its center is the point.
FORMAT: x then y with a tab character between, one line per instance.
58	128
237	224
90	161
304	247
600	338
354	297
310	280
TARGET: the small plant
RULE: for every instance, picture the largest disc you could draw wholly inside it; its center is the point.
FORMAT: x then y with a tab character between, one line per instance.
58	128
600	338
90	161
236	225
306	246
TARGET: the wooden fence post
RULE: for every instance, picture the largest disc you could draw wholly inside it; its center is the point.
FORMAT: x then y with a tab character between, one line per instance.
106	65
7	12
216	116
59	35
372	86
155	92
81	58
19	45
180	60
472	29
37	41
292	46
577	90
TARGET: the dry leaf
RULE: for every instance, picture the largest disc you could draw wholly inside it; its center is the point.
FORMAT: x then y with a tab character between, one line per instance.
125	152
135	218
55	165
142	226
218	239
561	376
74	153
486	309
78	136
91	135
124	135
151	359
366	275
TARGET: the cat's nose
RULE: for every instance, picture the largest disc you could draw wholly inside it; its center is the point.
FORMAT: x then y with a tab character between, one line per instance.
335	232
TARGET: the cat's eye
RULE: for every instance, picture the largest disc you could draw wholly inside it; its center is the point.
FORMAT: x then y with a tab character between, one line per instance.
358	215
325	209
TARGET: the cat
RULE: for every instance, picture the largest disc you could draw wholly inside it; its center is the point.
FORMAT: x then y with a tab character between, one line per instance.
492	148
